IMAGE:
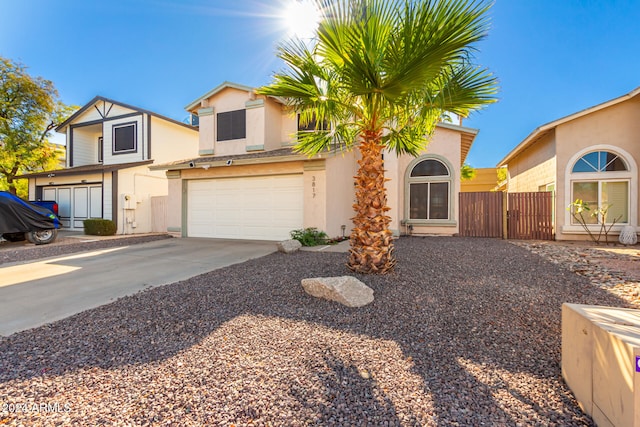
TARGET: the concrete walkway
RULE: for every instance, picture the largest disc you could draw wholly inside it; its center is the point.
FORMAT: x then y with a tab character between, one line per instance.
39	292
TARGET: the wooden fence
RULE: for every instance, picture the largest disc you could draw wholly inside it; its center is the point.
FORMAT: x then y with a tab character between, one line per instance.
481	214
512	216
530	216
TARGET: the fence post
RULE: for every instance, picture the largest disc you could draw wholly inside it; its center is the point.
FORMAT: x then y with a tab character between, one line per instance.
505	207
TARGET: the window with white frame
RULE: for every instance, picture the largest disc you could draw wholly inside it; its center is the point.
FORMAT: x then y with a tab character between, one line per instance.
602	179
430	184
124	138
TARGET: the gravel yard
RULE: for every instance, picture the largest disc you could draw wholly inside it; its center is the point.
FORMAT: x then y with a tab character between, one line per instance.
464	332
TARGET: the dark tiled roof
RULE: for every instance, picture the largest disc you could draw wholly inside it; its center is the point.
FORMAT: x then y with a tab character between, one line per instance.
86	169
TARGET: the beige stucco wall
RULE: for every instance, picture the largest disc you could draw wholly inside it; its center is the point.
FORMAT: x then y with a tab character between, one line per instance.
289	128
143	184
613	128
486	179
171	142
445	143
534	167
264	123
273	124
341	168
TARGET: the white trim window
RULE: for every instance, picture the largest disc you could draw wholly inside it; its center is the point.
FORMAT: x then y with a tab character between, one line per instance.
429	198
125	138
602	179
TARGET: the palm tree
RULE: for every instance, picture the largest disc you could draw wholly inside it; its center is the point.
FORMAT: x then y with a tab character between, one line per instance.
382	73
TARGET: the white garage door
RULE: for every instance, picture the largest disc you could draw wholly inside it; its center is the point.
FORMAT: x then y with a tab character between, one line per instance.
76	203
260	208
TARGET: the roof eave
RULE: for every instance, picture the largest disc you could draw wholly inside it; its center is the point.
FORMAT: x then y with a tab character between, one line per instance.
219	88
541	130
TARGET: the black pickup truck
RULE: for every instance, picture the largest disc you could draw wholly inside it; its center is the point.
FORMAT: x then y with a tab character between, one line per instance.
21	220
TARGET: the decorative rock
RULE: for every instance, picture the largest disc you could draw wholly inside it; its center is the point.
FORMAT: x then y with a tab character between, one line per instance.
346	290
289	246
628	235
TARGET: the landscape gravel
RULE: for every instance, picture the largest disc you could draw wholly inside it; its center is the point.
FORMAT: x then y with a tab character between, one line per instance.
463	332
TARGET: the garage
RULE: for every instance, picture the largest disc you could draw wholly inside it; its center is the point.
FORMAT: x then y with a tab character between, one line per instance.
76	203
251	208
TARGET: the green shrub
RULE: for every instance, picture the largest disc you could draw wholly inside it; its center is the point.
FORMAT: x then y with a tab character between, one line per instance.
99	227
309	236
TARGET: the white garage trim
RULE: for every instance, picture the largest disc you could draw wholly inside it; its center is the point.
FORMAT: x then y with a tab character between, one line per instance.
75	203
251	208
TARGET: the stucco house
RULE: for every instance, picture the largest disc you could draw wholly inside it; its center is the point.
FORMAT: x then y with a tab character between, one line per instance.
109	148
247	182
590	155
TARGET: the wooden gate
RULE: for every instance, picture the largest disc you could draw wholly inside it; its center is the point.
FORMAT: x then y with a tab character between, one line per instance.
530	216
481	214
523	216
159	214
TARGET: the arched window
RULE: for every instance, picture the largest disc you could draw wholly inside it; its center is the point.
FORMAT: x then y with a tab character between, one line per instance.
602	180
429	190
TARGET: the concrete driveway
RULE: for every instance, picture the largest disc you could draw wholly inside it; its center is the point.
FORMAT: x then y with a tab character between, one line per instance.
42	291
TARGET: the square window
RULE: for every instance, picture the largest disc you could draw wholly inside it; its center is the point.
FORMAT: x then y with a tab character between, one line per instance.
232	125
124	138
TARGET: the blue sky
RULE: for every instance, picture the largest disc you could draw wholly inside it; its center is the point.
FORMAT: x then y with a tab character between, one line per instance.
552	57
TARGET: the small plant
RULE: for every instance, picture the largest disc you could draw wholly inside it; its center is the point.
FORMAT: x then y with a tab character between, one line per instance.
578	210
99	227
310	236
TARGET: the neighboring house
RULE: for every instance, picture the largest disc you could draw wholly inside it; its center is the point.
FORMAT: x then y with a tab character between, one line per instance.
109	148
248	183
486	179
590	155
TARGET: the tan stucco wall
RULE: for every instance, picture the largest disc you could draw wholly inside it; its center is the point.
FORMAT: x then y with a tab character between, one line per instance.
144	184
615	126
171	142
341	169
534	167
264	123
486	179
273	124
444	143
289	128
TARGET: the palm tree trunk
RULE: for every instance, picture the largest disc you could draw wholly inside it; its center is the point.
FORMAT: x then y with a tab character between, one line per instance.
371	240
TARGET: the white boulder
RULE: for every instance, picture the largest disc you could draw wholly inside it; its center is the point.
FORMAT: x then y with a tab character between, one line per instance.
346	290
289	246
